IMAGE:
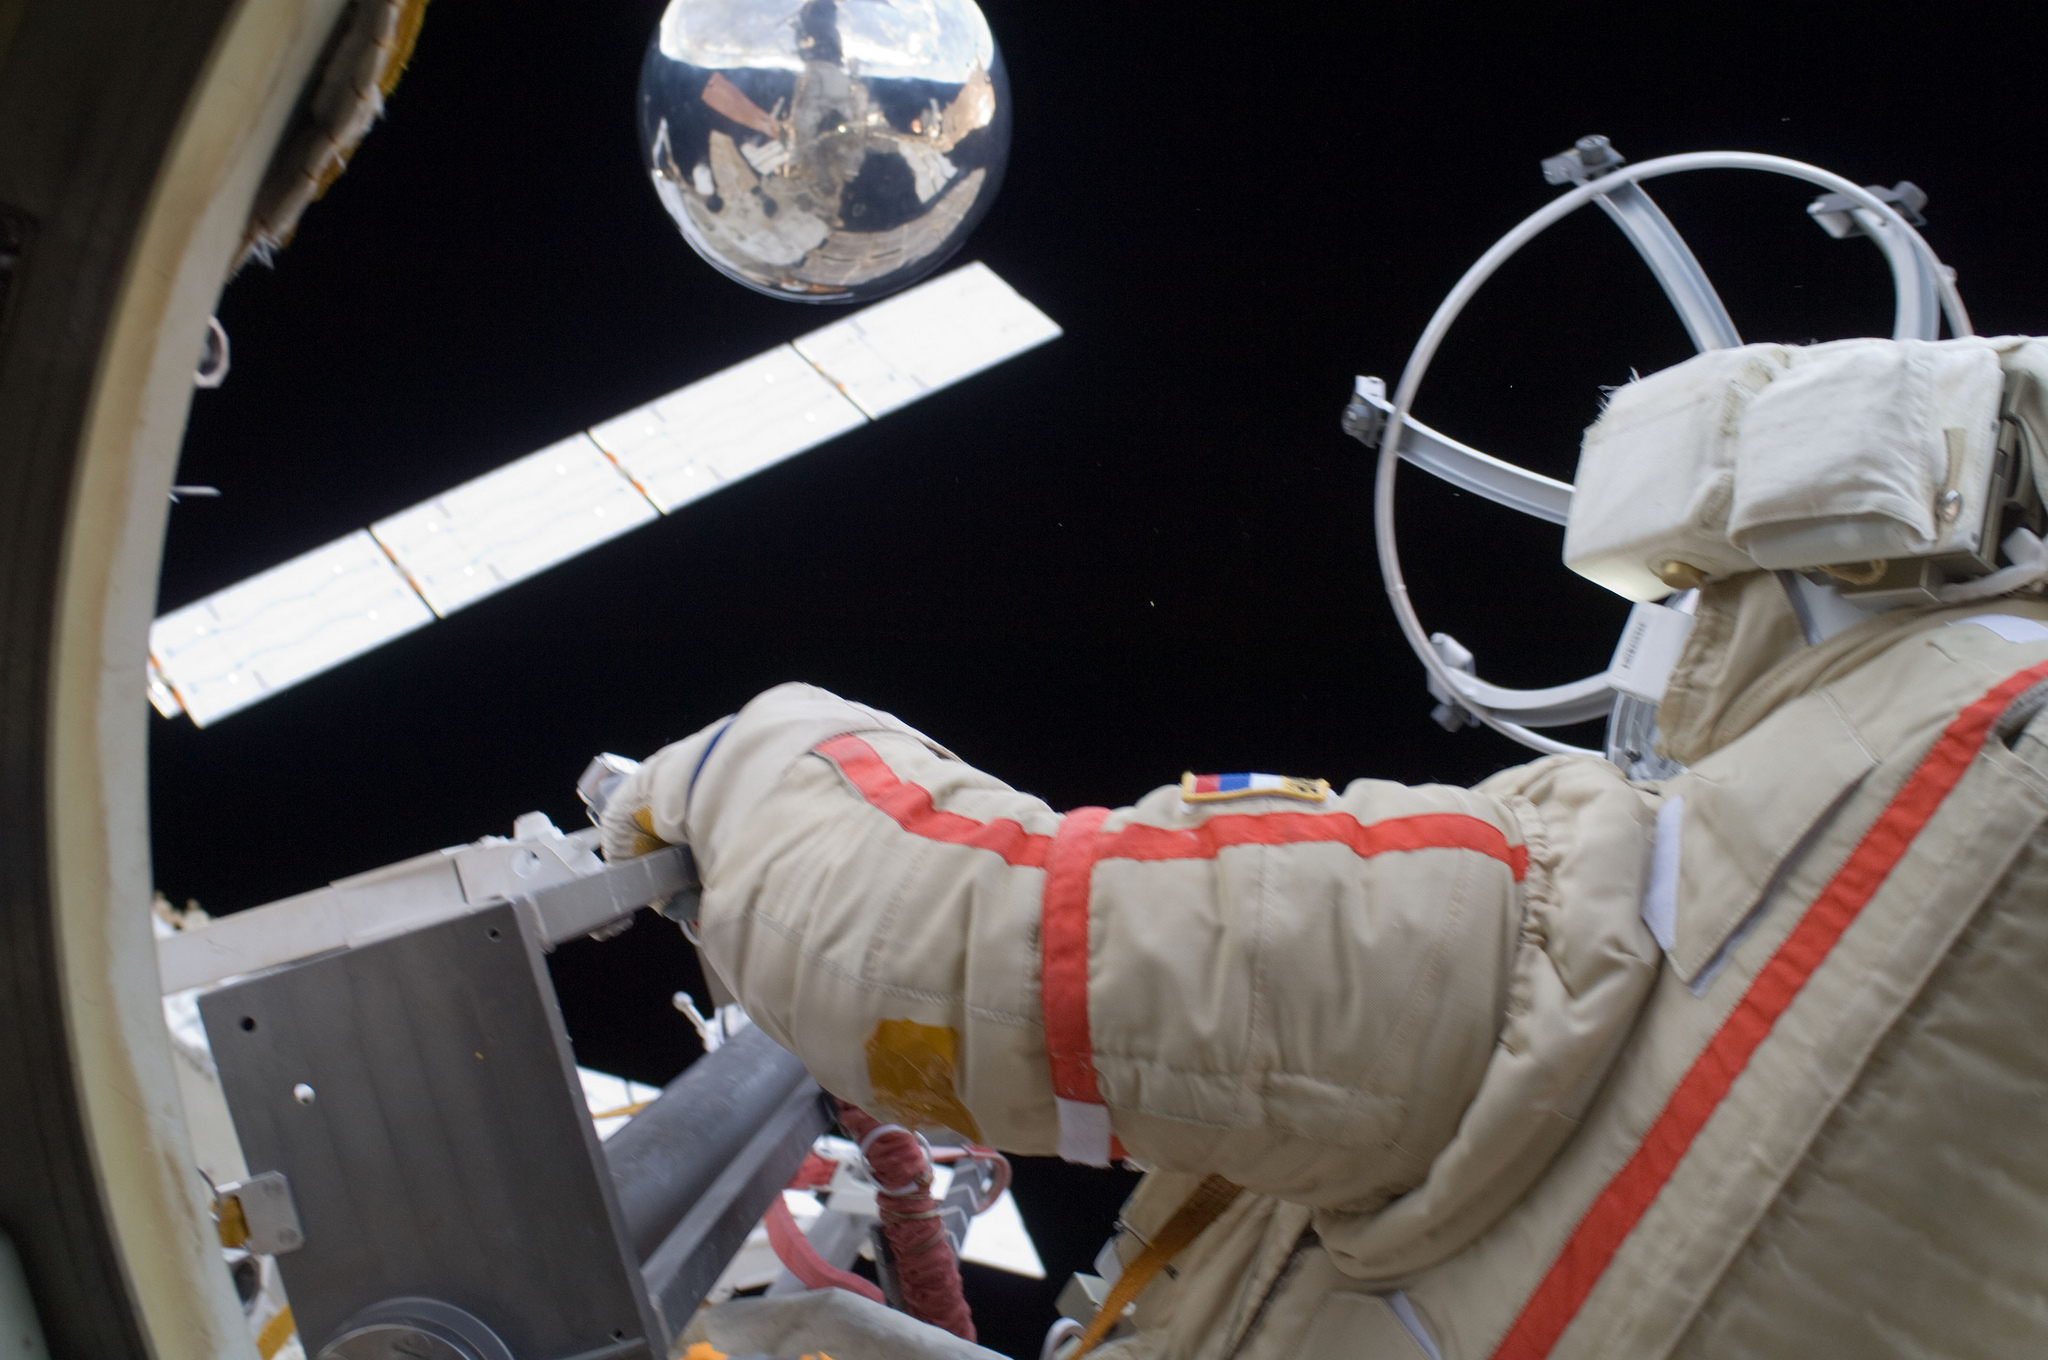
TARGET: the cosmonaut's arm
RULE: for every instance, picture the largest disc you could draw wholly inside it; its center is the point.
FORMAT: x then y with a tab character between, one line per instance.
1303	996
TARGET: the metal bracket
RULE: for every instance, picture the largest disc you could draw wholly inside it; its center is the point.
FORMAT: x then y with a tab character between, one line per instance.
1365	419
1449	714
1919	290
1365	415
1587	158
1837	213
1699	307
558	883
258	1215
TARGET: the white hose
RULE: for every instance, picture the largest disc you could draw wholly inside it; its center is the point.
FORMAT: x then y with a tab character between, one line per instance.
1066	1329
2029	564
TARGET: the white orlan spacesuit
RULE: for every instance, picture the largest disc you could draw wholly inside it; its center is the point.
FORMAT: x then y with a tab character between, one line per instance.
1750	1061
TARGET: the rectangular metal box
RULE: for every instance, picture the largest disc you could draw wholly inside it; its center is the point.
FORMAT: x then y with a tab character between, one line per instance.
420	1094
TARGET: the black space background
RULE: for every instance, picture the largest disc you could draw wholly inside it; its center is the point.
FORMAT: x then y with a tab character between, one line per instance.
1141	549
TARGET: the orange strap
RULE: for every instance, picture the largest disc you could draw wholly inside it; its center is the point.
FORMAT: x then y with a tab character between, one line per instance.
276	1332
1598	1238
1197	1212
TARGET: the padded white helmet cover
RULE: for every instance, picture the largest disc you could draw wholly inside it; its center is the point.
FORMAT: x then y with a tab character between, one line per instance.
1781	456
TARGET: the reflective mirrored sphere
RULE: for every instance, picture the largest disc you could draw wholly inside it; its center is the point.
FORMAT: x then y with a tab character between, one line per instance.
825	150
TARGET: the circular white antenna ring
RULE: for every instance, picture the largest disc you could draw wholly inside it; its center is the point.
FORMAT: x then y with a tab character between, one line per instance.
1904	277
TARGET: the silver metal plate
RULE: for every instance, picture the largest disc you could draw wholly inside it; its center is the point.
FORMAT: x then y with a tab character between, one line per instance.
437	1144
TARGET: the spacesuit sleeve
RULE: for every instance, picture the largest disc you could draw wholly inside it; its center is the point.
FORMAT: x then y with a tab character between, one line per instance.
1301	995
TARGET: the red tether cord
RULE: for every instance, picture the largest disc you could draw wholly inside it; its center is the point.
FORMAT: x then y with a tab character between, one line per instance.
926	1270
801	1259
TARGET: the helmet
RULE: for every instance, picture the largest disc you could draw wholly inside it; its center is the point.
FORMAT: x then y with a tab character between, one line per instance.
1871	474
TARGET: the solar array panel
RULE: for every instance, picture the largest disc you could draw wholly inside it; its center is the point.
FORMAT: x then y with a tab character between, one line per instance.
886	356
247	642
696	439
273	630
509	524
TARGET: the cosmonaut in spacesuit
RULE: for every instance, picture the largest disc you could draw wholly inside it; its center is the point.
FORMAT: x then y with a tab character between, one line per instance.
1743	1062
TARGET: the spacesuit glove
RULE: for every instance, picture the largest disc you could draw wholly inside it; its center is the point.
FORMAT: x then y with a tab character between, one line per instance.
833	1322
626	827
649	808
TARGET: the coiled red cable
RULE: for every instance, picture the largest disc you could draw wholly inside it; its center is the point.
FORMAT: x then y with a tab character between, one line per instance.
927	1271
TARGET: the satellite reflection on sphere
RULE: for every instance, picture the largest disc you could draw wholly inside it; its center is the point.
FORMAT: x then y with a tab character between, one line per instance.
825	150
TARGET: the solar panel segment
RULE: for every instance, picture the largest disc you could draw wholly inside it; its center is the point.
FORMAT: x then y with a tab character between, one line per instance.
886	356
754	414
277	628
512	523
253	639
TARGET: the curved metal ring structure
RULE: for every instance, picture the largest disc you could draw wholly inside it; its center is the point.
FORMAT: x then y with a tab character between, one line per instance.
1919	280
133	137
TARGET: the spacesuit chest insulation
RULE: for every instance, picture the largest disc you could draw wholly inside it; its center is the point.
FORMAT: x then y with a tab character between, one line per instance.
1826	1078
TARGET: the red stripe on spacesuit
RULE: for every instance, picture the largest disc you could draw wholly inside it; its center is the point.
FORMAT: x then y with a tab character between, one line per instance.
1081	845
1063	956
1423	831
911	807
1622	1204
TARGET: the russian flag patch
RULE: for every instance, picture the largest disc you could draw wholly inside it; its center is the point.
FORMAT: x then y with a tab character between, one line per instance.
1217	788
